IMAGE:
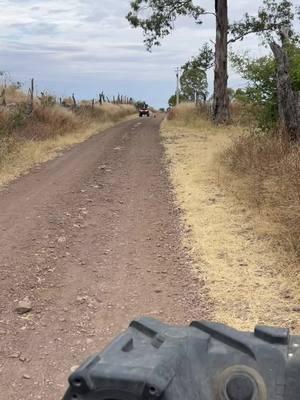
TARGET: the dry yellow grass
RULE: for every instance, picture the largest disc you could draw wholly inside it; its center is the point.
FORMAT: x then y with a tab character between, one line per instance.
250	281
267	172
51	131
13	94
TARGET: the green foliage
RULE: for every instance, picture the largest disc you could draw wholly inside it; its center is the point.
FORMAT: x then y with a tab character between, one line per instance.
194	79
271	18
261	92
194	84
204	60
294	57
157	17
274	21
172	99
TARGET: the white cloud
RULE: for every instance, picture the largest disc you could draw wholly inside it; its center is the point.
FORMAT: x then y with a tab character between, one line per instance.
87	45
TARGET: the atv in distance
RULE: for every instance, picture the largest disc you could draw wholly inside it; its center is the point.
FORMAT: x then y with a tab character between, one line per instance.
144	111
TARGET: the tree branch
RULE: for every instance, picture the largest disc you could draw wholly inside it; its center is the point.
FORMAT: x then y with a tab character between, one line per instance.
242	35
209	13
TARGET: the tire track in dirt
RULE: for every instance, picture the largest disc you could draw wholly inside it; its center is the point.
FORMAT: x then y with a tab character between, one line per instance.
93	238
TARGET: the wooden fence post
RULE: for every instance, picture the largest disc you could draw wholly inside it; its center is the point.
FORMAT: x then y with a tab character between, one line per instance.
101	98
31	92
3	97
74	101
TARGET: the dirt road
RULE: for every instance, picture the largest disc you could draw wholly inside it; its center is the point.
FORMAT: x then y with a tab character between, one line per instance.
93	239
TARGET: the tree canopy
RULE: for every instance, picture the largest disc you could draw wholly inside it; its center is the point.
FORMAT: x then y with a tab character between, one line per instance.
157	20
194	78
157	17
261	90
271	18
172	100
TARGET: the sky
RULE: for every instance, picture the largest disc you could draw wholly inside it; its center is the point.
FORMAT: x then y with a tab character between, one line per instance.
87	46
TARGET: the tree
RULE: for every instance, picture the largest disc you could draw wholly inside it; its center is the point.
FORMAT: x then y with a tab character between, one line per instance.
193	83
287	99
294	57
193	80
221	112
172	99
261	90
274	22
157	17
260	93
267	23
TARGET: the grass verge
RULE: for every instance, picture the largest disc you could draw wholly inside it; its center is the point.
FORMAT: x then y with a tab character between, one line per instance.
250	279
49	131
267	179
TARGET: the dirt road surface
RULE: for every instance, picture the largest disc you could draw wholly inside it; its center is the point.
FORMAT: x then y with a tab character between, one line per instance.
93	239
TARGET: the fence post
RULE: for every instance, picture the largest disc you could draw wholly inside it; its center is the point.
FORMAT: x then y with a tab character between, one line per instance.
74	101
3	97
93	103
31	91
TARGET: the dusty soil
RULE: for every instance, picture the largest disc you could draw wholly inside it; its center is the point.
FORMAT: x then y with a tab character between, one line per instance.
93	239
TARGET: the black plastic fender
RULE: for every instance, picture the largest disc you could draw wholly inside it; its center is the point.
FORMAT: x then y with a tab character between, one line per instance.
204	361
